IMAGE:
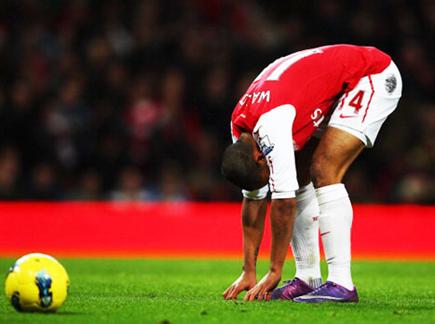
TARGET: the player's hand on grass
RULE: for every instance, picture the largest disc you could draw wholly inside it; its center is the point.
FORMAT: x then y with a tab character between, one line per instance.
245	282
263	290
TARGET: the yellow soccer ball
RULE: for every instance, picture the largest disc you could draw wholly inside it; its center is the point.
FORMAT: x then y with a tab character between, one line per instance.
37	282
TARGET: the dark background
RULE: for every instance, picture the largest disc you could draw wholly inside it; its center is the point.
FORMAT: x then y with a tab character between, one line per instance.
132	99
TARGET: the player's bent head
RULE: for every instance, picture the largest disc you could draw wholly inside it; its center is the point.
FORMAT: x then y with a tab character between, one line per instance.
245	167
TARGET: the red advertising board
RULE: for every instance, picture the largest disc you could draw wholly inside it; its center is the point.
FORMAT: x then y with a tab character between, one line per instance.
191	229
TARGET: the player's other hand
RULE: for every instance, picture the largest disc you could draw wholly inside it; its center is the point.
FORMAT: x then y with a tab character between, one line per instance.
263	290
246	281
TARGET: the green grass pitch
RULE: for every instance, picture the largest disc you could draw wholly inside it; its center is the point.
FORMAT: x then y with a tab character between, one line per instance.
189	291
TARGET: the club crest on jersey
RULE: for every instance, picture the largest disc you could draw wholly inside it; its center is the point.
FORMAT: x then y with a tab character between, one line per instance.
266	146
390	84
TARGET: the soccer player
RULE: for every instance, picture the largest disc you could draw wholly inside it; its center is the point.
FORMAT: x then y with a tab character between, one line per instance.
341	94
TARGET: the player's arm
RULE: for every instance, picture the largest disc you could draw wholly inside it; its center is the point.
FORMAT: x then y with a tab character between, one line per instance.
253	215
282	216
275	138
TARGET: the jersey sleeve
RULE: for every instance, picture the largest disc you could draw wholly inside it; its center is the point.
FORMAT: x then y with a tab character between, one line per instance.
273	133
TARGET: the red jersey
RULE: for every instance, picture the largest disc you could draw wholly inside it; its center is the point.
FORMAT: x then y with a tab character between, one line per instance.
311	81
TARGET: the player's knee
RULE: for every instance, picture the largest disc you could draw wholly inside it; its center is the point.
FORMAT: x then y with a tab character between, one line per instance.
323	173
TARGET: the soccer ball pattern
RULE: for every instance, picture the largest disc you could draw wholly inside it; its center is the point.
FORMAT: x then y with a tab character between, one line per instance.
37	282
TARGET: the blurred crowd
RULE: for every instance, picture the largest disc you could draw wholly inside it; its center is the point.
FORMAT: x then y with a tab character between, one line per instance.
131	100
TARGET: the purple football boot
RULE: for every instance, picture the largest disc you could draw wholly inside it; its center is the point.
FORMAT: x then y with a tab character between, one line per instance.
329	292
291	289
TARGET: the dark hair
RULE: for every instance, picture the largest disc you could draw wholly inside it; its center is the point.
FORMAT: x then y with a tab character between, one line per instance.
240	168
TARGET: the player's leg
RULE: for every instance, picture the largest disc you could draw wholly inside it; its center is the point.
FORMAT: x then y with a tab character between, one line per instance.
305	239
335	153
333	157
353	125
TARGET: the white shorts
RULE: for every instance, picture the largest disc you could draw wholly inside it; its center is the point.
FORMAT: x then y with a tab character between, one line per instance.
362	111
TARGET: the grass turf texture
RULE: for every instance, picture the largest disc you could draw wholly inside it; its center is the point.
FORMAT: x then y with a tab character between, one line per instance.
189	291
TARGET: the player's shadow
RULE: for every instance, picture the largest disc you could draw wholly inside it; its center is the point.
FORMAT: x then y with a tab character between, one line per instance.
67	313
402	308
72	313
